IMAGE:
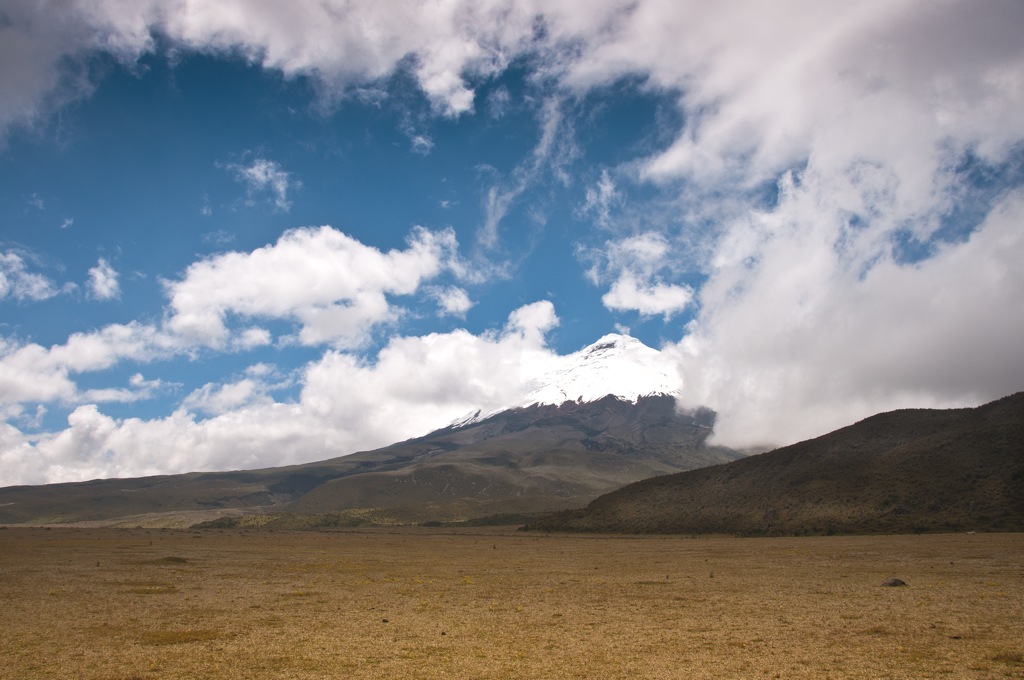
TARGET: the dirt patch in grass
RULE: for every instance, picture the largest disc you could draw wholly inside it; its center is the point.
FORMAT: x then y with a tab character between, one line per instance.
494	603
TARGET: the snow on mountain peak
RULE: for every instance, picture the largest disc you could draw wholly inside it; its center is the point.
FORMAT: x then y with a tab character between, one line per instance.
617	365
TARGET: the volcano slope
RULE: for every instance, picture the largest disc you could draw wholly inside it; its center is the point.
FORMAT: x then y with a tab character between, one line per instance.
537	458
898	472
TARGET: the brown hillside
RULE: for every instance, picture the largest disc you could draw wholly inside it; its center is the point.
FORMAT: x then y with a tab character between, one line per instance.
540	458
535	459
903	471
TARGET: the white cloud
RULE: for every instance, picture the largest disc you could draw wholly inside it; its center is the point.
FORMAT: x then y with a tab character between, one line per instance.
342	47
346	404
138	389
455	373
217	399
27	374
260	370
253	337
452	301
756	81
628	294
860	114
335	287
532	322
42	55
419	142
263	175
636	265
17	282
32	373
787	352
103	283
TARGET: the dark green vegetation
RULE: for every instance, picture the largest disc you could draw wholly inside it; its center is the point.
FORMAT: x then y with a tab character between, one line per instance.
540	458
900	472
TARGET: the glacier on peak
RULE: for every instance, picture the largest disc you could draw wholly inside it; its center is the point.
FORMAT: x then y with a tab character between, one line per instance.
615	365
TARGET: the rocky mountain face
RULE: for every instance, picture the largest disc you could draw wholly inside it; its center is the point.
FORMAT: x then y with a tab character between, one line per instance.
601	418
905	471
523	460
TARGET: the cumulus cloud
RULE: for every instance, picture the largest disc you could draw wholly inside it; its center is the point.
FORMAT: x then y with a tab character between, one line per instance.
636	265
17	282
531	322
627	293
43	58
30	372
456	373
250	338
814	139
451	301
863	119
138	389
335	287
347	403
103	284
788	352
217	399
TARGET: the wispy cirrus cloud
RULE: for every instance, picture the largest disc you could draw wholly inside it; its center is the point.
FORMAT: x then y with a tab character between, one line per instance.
550	155
600	199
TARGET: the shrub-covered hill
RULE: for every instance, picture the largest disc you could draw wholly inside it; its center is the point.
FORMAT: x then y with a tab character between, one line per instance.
904	471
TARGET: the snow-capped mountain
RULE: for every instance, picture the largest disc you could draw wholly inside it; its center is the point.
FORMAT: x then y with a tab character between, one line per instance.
589	423
616	365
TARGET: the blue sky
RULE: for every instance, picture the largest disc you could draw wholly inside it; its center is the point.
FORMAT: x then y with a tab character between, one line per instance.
258	233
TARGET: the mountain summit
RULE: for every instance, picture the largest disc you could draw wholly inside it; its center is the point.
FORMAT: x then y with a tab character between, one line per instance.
616	365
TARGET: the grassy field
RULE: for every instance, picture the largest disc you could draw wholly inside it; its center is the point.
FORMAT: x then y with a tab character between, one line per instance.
437	603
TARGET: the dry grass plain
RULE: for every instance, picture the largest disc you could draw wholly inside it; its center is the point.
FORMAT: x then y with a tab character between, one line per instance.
438	603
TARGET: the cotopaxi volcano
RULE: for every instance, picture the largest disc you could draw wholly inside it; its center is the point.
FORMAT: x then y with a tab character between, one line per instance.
601	418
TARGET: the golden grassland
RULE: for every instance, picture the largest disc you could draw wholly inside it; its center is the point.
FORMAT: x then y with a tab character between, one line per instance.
438	603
